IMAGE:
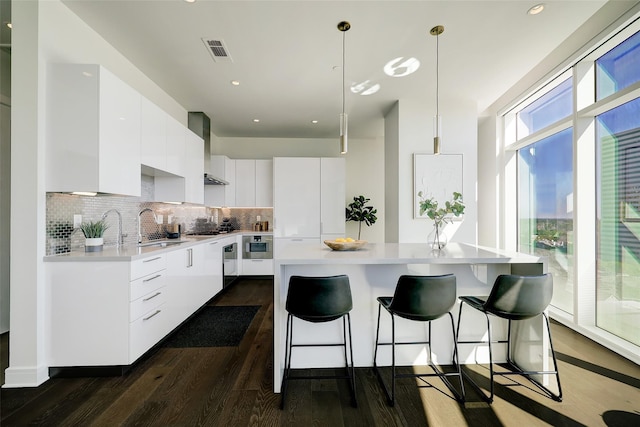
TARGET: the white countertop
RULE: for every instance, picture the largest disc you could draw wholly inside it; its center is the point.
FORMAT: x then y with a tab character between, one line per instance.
400	253
133	252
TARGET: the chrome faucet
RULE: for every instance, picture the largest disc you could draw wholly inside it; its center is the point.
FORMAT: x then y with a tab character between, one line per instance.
121	236
155	218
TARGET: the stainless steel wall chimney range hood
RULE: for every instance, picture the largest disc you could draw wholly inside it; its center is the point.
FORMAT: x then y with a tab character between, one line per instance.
200	124
212	180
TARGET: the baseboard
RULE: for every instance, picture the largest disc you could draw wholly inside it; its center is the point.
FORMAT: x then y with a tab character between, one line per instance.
25	377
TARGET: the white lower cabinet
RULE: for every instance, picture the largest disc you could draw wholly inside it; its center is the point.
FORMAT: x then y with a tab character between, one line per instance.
110	313
257	267
97	313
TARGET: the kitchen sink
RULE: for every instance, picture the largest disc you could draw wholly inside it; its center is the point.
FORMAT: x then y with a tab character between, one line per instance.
160	243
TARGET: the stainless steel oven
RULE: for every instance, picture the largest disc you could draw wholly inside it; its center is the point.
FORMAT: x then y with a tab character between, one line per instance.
257	246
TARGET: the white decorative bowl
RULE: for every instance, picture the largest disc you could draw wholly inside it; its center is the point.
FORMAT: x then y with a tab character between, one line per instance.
345	246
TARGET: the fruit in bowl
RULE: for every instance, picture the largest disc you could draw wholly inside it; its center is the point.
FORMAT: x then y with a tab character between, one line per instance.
345	244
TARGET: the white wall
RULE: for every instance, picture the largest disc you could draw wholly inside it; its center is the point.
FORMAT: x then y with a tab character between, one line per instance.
415	135
488	183
391	182
5	189
45	32
27	364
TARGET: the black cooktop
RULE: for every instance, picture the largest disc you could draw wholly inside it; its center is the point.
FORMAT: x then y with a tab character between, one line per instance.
204	233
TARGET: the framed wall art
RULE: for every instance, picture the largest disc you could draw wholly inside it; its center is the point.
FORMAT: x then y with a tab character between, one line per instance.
436	176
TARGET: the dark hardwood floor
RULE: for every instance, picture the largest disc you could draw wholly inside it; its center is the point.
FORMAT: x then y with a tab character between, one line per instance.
232	386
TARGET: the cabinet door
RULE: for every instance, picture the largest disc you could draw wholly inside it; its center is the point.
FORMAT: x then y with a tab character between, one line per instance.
257	267
93	141
213	266
194	174
264	183
153	137
296	197
230	175
119	153
332	195
245	183
175	139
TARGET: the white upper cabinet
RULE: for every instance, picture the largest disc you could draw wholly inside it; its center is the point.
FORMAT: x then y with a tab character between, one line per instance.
264	183
93	131
245	183
332	196
221	195
254	183
153	135
176	146
296	197
194	173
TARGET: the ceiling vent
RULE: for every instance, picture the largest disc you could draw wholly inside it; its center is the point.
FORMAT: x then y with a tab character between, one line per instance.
218	50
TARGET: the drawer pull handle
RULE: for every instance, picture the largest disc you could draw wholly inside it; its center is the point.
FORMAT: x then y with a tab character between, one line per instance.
152	296
213	243
257	260
152	278
151	315
152	259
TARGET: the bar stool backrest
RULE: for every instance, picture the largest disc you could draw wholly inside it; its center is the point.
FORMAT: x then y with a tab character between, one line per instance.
424	298
319	299
519	297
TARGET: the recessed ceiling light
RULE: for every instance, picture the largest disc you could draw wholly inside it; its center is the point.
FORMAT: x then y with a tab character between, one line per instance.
314	122
235	82
534	10
256	120
190	1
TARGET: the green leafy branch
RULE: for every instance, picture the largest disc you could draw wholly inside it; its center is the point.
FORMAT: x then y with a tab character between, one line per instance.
453	207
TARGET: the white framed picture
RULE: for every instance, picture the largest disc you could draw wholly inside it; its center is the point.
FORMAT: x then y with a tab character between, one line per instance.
437	176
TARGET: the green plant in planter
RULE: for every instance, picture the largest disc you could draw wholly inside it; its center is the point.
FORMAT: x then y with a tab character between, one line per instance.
92	230
357	211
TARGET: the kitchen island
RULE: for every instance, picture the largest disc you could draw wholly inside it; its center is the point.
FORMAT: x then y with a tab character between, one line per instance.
373	271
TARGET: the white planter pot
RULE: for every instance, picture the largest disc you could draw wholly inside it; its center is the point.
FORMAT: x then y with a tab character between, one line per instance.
94	244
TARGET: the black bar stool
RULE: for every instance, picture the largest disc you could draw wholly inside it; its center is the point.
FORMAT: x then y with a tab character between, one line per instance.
319	299
514	298
422	299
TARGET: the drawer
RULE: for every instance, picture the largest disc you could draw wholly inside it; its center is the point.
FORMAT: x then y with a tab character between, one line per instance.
146	303
257	267
146	266
146	285
145	332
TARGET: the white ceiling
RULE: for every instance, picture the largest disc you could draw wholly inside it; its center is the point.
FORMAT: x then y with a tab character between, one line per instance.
285	54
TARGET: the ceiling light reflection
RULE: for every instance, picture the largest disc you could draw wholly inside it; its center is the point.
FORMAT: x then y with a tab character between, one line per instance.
401	67
365	88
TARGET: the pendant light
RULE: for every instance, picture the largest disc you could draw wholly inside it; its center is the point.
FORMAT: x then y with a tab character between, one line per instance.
437	120
344	27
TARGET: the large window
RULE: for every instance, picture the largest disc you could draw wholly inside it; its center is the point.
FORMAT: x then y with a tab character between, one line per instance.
573	192
552	106
618	274
545	209
618	68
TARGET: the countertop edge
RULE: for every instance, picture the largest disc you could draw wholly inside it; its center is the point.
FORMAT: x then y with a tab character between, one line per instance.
130	253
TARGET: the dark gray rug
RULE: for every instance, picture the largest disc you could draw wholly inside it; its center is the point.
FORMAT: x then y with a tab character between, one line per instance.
222	326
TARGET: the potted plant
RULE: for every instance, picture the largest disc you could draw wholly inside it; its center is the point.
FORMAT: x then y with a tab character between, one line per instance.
454	207
358	211
93	233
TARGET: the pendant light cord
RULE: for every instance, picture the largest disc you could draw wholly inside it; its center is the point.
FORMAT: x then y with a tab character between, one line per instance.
437	82
343	57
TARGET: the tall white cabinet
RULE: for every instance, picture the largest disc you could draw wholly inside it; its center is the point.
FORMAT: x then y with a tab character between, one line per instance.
308	199
93	131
